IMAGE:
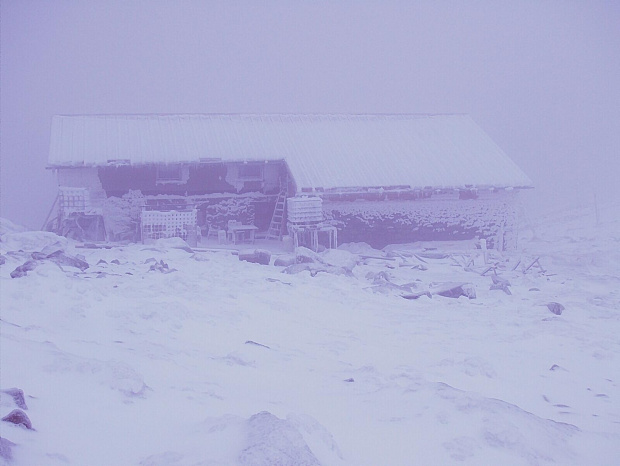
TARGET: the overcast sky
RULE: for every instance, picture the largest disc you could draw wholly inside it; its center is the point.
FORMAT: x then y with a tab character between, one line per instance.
542	78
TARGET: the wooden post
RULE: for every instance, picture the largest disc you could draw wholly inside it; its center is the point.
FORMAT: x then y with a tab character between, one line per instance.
500	239
50	213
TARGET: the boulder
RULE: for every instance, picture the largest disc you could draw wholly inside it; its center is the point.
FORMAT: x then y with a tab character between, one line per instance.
6	226
416	294
339	258
173	243
285	260
257	256
18	397
314	269
200	257
23	269
500	283
453	290
31	241
162	267
556	308
18	417
360	249
274	441
61	258
296	268
306	256
6	449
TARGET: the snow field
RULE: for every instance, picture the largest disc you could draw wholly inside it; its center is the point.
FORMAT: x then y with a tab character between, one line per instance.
226	362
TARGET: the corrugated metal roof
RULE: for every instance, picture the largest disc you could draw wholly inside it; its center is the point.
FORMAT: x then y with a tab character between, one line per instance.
322	151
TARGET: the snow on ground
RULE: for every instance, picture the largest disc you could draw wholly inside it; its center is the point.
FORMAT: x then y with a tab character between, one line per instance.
206	360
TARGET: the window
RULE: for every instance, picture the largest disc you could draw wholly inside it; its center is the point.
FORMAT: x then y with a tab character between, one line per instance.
169	174
251	171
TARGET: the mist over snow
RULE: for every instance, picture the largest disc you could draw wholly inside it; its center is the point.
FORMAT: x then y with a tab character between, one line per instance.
540	78
423	353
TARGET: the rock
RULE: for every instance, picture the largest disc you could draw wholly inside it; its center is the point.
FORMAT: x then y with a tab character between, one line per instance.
274	441
275	280
115	262
453	290
61	258
18	397
339	258
359	248
101	261
257	256
416	295
306	256
6	449
52	248
382	282
314	269
500	283
18	417
6	226
2	260
23	269
173	243
31	241
285	261
556	308
162	267
296	268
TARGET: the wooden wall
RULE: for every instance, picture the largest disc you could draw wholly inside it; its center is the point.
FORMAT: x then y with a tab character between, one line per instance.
493	215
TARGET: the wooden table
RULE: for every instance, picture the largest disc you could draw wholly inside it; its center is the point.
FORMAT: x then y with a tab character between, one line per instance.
236	231
313	231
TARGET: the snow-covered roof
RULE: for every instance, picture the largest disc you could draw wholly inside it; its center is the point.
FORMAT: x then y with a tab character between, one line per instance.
322	151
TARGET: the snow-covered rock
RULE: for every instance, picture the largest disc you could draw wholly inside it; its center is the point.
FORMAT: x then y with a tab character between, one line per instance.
257	256
285	260
6	450
172	243
13	397
272	441
33	241
6	226
339	258
18	417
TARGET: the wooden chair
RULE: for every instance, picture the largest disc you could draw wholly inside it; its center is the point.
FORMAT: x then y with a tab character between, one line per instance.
231	233
211	231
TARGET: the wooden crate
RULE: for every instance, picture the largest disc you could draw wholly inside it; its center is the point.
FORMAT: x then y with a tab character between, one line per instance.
304	210
158	224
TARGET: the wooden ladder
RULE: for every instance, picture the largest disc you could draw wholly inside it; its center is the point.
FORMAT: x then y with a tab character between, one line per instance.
275	227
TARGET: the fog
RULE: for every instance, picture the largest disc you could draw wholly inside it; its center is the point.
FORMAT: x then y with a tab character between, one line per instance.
541	78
